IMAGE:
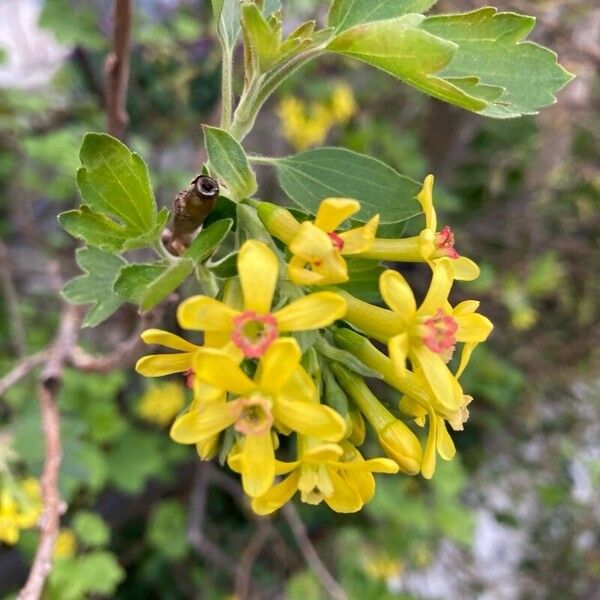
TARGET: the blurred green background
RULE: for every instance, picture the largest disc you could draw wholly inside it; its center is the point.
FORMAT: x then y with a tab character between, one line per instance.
515	515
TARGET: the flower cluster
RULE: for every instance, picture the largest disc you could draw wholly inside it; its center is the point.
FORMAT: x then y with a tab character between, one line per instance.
20	507
278	382
307	125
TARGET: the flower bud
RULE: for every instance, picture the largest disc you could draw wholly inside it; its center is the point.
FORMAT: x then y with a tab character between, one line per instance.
401	444
279	221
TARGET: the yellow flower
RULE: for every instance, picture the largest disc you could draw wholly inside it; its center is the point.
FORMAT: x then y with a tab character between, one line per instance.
304	126
426	335
317	247
20	508
429	246
66	544
336	474
281	396
250	332
161	403
342	105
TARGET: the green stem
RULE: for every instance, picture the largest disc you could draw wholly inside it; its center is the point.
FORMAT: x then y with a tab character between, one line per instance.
226	87
263	160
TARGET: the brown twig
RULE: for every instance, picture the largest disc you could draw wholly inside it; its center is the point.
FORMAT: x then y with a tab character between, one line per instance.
22	369
331	586
49	387
116	68
124	354
248	557
11	298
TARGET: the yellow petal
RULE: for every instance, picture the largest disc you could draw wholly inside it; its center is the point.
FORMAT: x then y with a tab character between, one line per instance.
401	444
465	356
257	268
333	269
168	340
445	445
311	312
428	466
207	448
425	197
464	269
310	243
277	496
205	314
300	275
465	308
426	244
157	365
333	212
373	465
439	289
397	294
310	419
300	387
220	339
219	370
323	453
360	239
437	375
398	347
345	498
473	328
258	464
198	424
278	365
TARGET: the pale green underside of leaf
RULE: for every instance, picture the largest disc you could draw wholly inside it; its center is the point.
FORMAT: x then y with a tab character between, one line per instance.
96	286
229	163
344	14
473	60
312	176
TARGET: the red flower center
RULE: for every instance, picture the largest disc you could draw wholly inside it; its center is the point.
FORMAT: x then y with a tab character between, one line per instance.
444	242
189	378
254	333
440	332
336	241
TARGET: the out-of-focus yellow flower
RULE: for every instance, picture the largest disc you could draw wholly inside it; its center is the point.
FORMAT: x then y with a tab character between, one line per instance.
429	246
317	248
160	404
381	567
281	396
334	473
307	125
20	508
250	332
66	544
342	105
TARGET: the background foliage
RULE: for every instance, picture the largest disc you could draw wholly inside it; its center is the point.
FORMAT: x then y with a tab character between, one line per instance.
517	516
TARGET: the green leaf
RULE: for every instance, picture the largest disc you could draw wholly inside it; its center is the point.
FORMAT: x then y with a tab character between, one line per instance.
227	16
119	210
167	529
208	240
345	358
96	286
91	529
229	162
225	267
364	280
312	176
473	60
490	49
344	14
147	285
400	47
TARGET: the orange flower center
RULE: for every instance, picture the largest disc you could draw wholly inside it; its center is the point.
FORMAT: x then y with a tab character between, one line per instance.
253	415
444	243
336	241
440	332
254	333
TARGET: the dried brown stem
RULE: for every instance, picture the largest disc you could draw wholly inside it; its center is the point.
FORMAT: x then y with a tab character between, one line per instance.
11	298
116	68
331	586
248	558
49	387
22	369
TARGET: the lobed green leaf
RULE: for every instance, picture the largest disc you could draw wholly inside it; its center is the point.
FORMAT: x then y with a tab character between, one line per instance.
96	286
